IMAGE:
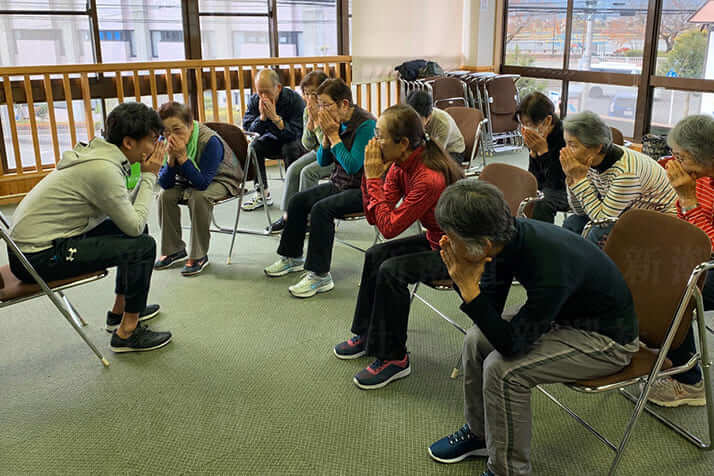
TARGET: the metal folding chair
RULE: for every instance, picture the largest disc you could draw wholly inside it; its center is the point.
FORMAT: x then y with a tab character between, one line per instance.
644	244
471	123
237	140
13	291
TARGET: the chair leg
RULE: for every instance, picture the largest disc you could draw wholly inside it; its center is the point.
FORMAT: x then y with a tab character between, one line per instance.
456	371
72	310
413	293
233	235
261	189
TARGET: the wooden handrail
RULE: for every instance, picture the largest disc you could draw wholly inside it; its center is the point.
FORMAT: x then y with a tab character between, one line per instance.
52	85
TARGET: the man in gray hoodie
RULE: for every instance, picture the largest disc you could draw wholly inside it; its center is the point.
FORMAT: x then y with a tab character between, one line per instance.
80	219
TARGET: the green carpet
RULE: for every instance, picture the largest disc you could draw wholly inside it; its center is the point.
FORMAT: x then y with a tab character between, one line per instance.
249	385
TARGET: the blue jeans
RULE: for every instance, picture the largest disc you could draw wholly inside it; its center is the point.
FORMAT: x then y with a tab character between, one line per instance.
597	234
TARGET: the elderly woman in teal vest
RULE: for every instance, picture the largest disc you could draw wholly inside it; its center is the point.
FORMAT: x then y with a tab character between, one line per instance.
199	169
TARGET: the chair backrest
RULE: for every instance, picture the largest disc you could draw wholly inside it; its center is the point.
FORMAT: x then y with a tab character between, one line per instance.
617	137
467	119
448	88
515	183
656	254
502	103
236	140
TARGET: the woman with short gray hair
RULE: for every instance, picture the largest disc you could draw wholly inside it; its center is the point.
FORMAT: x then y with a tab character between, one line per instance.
605	180
690	174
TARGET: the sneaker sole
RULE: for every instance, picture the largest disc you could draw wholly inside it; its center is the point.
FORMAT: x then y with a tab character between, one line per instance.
111	329
350	356
198	271
481	453
120	350
292	269
692	402
178	260
397	376
312	292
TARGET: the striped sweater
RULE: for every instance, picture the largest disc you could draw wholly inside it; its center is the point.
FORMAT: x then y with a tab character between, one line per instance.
632	181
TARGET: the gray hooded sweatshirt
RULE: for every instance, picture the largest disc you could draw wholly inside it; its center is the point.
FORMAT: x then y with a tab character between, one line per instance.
88	185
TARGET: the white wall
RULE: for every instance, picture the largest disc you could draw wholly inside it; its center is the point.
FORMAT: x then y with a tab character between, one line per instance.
387	33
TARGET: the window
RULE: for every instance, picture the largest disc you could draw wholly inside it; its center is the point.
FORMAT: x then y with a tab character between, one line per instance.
307	28
236	29
59	39
608	36
683	39
535	33
140	30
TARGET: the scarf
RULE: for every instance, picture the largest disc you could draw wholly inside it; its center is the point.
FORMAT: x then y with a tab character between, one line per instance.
133	179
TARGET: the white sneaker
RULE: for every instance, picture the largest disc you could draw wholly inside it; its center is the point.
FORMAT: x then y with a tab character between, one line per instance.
257	201
284	266
668	392
311	284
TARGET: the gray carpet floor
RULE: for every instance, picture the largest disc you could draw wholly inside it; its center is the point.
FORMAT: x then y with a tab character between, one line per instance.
249	385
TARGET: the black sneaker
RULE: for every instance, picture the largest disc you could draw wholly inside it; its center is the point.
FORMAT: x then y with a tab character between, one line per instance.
458	446
113	320
169	260
142	339
354	348
277	226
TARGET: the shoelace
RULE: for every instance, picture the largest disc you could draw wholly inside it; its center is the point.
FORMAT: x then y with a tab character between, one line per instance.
464	433
377	364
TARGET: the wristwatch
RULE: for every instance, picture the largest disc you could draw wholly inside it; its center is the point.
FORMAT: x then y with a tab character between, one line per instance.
688	209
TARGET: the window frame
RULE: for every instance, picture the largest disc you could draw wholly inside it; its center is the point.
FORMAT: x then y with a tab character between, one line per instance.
645	82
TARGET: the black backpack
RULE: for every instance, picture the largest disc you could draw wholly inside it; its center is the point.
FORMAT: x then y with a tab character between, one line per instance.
415	69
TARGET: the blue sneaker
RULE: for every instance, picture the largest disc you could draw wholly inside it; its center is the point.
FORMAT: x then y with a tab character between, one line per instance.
458	446
381	372
353	348
196	268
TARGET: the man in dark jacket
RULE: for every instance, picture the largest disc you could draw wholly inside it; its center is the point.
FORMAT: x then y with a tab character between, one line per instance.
275	113
578	322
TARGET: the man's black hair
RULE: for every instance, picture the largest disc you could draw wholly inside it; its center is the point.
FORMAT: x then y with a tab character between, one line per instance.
422	102
131	119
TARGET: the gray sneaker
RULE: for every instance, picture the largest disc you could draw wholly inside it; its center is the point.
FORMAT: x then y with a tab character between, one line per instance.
311	284
668	392
284	266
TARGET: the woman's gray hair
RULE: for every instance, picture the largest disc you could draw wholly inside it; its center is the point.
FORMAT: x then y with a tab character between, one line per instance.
589	129
695	134
475	211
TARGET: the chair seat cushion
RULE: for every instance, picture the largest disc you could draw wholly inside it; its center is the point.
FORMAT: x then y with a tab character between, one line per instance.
13	288
640	366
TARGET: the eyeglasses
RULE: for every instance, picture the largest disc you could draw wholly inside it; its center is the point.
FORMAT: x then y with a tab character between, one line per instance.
326	105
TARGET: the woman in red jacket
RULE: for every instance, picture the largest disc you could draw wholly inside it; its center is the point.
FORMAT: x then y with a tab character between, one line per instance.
419	170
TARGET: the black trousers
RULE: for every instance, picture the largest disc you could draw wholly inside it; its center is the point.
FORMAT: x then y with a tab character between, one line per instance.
270	148
103	247
382	311
554	201
322	204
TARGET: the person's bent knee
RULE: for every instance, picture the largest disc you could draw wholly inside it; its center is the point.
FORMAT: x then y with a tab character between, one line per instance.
170	196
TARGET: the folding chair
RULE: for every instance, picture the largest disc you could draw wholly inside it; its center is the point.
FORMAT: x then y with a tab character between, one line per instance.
238	142
448	92
357	217
617	137
645	245
471	123
13	291
501	98
520	189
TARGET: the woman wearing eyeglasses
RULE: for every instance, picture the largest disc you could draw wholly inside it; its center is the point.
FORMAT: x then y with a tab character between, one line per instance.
305	172
418	172
347	129
543	135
